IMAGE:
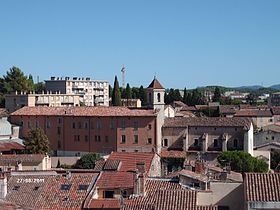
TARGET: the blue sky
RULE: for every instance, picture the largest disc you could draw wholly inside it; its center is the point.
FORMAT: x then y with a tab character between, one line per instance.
185	43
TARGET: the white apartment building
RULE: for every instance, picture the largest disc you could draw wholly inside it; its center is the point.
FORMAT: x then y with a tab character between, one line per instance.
92	92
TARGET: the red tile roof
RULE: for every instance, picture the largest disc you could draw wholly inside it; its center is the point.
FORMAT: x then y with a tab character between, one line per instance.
155	84
98	111
129	159
24	158
172	154
10	145
55	191
207	122
115	180
263	187
253	113
206	207
104	204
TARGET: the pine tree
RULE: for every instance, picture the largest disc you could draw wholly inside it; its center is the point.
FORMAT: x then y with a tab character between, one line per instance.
116	96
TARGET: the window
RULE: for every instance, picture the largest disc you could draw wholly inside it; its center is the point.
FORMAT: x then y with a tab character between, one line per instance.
149	141
36	188
83	187
123	139
111	124
86	125
136	150
59	120
235	129
16	188
165	142
98	125
215	128
124	194
270	120
48	124
108	194
158	97
58	130
135	139
272	137
76	137
135	125
65	187
37	124
235	143
86	138
196	142
97	138
73	125
216	143
79	125
123	150
150	126
123	124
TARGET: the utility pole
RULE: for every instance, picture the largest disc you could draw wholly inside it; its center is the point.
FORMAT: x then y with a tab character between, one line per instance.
123	76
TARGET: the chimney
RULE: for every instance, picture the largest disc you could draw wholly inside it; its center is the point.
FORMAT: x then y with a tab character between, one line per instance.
18	166
139	185
3	185
199	167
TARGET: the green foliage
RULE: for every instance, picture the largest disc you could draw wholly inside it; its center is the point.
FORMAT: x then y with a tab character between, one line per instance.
275	158
128	92
87	161
116	95
40	87
142	95
217	95
37	142
172	95
242	162
58	164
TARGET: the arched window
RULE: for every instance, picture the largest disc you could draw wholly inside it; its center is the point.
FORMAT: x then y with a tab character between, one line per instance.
158	97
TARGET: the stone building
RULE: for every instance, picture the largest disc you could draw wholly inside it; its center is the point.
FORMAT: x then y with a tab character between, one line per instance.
16	101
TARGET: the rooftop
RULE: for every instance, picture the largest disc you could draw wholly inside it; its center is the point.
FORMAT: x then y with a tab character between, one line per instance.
263	187
130	159
253	113
98	111
24	158
207	122
155	84
115	180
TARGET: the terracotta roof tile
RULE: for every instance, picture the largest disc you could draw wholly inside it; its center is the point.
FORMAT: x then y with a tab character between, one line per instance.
172	154
207	122
228	109
10	145
129	159
25	158
104	204
206	207
253	113
115	180
83	111
263	187
55	191
275	110
155	84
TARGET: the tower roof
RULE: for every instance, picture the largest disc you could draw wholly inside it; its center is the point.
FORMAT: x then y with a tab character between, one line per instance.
155	84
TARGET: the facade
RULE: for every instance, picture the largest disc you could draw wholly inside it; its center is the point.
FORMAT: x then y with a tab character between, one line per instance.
260	117
91	92
133	103
76	130
16	101
274	99
261	191
211	135
25	162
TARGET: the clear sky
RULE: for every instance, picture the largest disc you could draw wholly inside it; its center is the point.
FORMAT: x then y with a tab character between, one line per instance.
185	43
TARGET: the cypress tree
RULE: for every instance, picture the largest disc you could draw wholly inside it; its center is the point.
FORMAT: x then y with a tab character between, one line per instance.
116	96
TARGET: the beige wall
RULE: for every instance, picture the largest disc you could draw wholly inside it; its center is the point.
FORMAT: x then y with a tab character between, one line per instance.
223	194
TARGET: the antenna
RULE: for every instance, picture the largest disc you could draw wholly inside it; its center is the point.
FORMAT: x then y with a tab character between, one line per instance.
123	76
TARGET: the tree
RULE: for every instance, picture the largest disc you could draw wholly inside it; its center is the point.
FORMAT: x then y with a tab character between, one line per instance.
128	92
217	95
275	158
87	161
58	163
143	95
37	142
116	96
185	96
15	80
40	87
241	161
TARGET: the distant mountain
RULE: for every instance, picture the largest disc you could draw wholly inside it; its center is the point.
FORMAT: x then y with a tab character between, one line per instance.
276	87
253	87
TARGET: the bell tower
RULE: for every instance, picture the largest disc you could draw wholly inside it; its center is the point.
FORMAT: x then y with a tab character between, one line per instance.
155	95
